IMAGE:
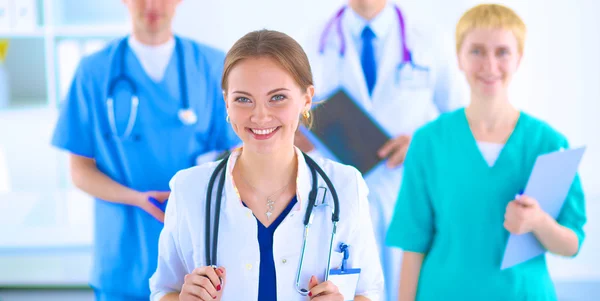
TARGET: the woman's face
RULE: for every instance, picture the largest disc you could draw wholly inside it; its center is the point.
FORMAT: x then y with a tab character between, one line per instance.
489	58
264	104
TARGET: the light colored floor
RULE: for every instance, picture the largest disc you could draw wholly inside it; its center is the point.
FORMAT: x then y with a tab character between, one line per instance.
575	291
51	295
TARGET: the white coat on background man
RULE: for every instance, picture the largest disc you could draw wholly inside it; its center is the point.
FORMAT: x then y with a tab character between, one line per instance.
401	101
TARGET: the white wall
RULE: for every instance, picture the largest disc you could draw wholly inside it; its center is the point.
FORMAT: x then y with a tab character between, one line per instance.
222	22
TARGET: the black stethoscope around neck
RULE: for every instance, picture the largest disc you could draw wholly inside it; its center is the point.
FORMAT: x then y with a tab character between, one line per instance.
211	246
185	114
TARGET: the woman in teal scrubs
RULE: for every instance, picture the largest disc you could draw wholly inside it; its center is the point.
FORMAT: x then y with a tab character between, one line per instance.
457	206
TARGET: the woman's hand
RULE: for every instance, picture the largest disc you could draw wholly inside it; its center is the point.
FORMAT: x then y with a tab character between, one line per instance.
326	291
203	284
522	215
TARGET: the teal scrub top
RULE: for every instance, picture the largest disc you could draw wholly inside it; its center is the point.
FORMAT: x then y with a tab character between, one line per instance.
126	237
451	208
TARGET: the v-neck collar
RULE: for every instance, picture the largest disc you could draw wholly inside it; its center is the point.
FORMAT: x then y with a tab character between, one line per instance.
473	148
279	218
171	63
273	226
165	52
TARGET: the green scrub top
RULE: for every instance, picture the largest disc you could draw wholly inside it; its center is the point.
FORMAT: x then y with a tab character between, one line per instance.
451	208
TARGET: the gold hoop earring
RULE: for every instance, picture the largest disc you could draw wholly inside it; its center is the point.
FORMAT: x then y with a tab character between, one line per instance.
306	114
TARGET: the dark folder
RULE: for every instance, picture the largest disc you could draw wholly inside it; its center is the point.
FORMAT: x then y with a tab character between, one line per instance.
348	131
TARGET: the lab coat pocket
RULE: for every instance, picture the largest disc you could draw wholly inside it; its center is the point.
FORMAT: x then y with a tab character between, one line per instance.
394	116
413	77
336	260
346	282
344	277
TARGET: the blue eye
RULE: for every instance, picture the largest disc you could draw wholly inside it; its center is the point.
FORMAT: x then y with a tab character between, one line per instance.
278	97
242	100
476	51
503	52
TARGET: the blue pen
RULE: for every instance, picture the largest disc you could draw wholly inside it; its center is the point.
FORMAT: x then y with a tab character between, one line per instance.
518	195
344	249
159	205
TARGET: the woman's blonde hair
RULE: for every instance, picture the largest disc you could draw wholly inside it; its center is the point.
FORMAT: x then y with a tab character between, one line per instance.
490	16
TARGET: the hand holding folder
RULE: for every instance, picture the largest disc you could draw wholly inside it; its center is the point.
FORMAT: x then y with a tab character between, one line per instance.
521	214
549	183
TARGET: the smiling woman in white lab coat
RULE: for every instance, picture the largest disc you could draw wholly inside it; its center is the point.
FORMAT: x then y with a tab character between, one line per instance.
267	84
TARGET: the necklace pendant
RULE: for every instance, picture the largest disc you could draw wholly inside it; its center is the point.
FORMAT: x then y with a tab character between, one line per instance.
269	212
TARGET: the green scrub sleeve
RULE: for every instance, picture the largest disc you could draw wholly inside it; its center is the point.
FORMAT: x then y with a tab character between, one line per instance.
412	225
572	214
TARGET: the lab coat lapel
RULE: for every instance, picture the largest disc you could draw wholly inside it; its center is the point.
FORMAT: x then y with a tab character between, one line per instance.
287	239
387	65
235	216
234	203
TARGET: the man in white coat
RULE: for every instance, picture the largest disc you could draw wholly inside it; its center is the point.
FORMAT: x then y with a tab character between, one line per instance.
401	76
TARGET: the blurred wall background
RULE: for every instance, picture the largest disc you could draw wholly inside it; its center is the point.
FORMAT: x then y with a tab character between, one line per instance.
46	225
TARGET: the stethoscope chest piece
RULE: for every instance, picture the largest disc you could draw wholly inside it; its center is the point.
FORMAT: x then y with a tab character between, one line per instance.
187	116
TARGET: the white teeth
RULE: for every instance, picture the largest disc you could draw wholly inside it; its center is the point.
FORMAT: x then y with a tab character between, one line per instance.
263	132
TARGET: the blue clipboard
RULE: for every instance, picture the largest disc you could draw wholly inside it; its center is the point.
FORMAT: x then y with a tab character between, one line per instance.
549	183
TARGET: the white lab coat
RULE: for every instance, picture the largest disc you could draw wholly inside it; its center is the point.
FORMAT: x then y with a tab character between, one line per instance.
182	246
398	104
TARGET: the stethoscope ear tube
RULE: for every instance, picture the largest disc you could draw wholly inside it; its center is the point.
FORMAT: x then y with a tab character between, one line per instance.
209	191
335	217
217	216
315	168
312	195
337	21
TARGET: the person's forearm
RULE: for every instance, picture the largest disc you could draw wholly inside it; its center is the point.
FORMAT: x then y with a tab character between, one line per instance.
409	275
170	297
89	179
556	238
361	298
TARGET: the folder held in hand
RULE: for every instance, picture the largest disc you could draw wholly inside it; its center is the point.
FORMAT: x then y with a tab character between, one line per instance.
348	131
549	183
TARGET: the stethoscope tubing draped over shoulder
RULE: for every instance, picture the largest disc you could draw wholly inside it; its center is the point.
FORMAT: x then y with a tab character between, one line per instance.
406	58
211	241
185	114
